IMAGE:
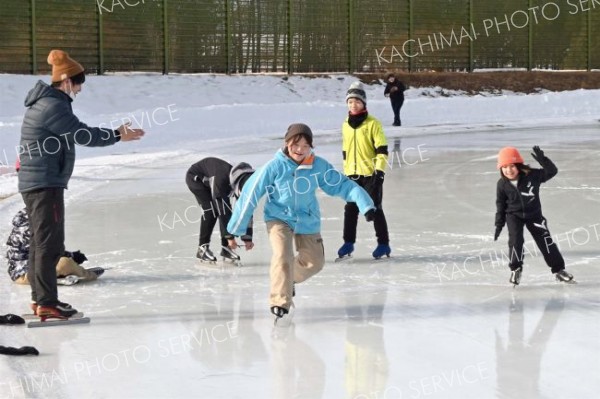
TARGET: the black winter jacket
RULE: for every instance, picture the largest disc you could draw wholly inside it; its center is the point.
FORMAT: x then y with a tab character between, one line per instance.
523	200
48	136
212	173
395	94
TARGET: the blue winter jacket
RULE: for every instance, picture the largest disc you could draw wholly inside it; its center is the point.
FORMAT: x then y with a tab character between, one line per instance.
291	193
49	134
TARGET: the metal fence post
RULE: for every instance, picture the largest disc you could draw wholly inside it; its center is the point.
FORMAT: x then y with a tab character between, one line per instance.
290	69
34	69
165	38
350	36
530	38
589	41
100	42
471	45
410	34
227	38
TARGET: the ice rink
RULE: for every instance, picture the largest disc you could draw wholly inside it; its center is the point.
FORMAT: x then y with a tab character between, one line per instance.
437	320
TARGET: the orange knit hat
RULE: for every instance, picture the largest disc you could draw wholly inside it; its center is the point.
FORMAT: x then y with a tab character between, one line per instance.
63	66
509	155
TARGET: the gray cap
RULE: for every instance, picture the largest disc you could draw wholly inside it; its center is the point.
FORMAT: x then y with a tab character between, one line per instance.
238	175
356	90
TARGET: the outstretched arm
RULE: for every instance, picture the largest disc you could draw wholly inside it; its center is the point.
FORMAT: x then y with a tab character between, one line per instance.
549	169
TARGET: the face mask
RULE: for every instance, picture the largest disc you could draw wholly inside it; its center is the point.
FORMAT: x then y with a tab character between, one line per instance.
70	91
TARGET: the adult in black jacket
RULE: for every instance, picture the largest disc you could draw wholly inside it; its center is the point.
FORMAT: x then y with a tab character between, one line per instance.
213	181
394	89
518	205
49	134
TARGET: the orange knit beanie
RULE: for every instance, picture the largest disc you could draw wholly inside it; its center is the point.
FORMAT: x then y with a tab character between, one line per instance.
63	66
509	155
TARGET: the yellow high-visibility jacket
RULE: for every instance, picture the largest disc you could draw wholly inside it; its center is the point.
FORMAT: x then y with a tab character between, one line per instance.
364	148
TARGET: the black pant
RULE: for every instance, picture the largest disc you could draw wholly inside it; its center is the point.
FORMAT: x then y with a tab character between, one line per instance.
396	105
212	210
351	213
539	231
46	210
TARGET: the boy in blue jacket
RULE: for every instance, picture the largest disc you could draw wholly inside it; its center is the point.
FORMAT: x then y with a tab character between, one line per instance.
292	213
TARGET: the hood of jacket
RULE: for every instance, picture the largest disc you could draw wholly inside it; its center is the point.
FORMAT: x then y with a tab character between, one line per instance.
41	90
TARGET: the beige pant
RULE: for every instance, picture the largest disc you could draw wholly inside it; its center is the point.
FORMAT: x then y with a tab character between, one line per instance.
287	269
65	267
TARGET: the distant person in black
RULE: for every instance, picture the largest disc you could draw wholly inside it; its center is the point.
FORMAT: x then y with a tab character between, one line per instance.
394	89
213	181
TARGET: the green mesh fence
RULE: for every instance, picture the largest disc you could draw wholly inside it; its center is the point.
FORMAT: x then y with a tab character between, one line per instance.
303	36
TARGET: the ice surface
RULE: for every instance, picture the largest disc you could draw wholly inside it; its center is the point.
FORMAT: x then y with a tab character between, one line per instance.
437	320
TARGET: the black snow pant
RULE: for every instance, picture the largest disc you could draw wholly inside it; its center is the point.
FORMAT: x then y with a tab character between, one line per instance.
351	213
538	228
46	210
396	105
213	210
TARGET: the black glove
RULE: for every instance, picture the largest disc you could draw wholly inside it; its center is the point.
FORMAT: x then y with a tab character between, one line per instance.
497	233
370	215
11	319
377	178
78	257
24	350
537	154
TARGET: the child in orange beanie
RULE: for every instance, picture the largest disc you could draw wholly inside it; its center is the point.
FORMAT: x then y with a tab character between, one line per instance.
518	205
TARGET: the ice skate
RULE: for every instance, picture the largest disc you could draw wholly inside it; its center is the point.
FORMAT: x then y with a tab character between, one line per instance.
59	310
515	276
34	306
564	277
381	250
230	256
68	280
283	316
98	271
205	254
345	252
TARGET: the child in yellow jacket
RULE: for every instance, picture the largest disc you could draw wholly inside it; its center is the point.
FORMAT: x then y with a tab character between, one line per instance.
365	155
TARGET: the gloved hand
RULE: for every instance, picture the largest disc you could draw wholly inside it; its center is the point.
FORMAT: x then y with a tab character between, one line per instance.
370	215
497	233
537	154
378	178
78	257
24	350
11	319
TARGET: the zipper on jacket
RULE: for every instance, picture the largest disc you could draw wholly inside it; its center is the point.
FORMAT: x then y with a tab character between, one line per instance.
355	154
520	197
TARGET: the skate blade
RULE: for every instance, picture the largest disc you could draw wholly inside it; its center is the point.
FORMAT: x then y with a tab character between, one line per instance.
343	259
58	322
69	280
572	281
383	258
31	316
237	263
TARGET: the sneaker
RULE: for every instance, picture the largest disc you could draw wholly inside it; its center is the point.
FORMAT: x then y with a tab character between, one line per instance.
228	254
515	276
382	249
346	249
563	276
59	310
205	254
279	311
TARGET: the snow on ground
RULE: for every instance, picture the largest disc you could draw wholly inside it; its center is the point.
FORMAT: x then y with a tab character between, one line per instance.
438	320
